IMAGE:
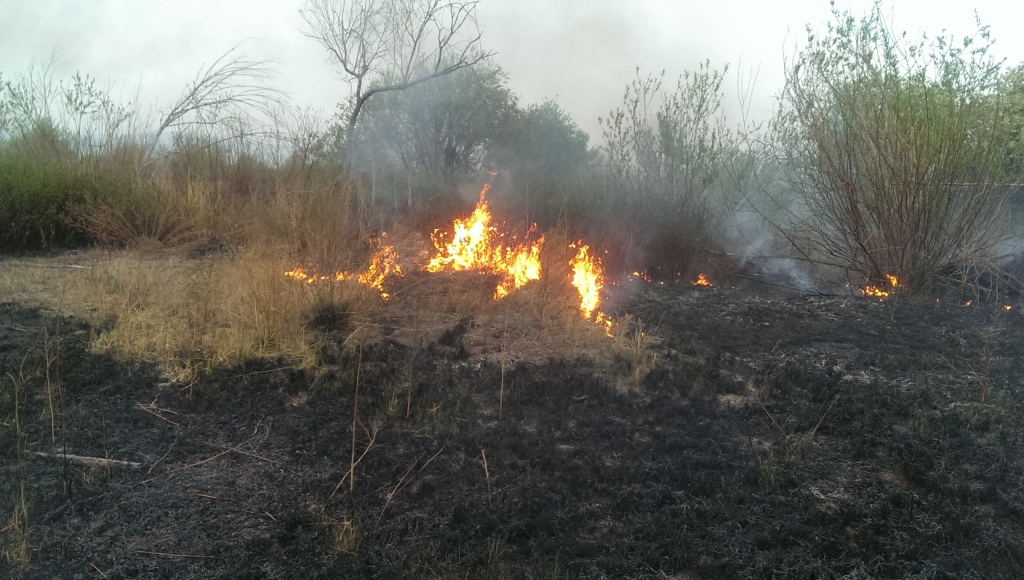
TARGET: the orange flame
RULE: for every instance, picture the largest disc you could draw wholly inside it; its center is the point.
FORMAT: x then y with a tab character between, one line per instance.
302	275
588	278
873	290
642	275
701	280
383	263
297	274
473	244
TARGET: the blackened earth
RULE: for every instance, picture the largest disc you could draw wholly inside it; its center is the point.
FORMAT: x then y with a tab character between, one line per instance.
776	437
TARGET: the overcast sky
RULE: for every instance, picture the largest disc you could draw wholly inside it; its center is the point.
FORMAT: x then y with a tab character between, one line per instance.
581	53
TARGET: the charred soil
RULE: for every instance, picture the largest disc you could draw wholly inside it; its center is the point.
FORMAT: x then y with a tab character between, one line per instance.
772	435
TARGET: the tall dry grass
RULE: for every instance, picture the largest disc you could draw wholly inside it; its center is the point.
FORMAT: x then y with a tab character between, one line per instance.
204	287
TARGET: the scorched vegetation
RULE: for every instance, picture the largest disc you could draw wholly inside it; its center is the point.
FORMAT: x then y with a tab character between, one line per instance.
440	335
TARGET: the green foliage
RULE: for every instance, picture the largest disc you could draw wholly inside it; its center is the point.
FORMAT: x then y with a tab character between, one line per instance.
77	166
439	127
424	142
60	120
35	199
666	152
1012	93
896	151
545	154
56	136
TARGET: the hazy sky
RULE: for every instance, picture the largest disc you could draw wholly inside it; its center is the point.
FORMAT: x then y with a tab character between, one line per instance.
580	52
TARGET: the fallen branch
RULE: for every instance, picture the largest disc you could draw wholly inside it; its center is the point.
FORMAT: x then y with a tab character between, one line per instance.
398	485
84	461
236	448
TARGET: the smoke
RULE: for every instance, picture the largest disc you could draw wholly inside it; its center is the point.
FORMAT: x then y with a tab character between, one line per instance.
751	236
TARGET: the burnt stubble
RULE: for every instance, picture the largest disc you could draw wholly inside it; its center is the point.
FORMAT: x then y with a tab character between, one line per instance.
777	435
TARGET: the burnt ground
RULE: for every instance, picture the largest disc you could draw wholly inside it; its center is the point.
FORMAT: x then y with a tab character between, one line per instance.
776	437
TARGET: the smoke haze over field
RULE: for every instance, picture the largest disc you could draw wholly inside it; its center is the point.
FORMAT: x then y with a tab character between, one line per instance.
581	53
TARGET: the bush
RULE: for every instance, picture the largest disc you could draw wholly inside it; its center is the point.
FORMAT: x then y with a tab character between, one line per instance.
665	153
896	152
35	200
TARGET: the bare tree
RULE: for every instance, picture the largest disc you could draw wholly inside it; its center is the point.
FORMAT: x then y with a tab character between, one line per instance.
391	45
230	87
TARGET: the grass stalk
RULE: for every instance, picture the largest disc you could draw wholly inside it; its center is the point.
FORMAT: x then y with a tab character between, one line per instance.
18	551
412	360
487	473
501	389
355	418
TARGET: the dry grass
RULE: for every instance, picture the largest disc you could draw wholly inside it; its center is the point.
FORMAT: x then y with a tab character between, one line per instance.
191	315
199	280
191	311
17	547
632	346
188	315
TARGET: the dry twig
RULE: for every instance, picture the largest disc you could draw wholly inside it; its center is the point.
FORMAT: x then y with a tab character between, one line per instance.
487	474
152	409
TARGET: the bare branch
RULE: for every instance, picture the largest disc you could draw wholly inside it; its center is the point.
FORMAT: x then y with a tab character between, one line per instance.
231	85
385	45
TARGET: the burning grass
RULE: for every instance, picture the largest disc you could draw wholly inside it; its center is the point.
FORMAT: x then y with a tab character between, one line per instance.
475	244
192	315
883	290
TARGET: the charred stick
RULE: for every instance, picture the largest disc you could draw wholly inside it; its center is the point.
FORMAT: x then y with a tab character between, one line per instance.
84	461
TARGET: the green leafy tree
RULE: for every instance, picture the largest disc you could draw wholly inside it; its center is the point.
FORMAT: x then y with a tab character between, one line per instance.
545	153
442	128
896	152
1013	94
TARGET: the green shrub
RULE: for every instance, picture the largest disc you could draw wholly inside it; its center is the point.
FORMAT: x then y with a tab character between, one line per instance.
896	152
666	151
34	201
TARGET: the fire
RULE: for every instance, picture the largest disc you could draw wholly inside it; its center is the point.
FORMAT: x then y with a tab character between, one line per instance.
383	263
873	290
474	244
588	278
302	275
642	275
298	274
701	280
